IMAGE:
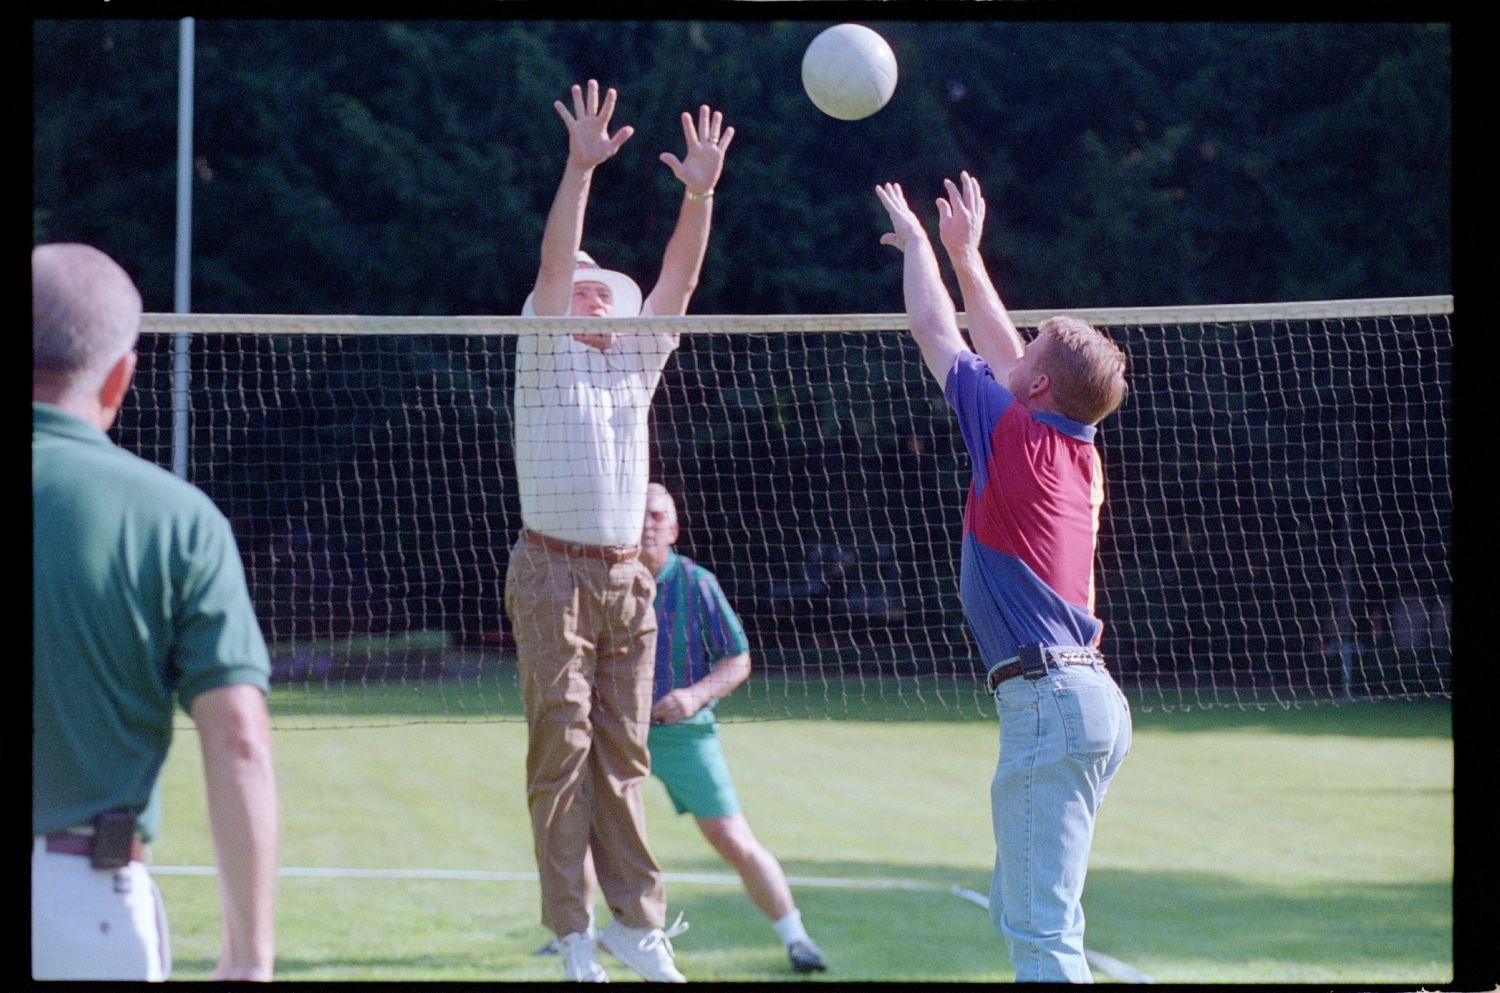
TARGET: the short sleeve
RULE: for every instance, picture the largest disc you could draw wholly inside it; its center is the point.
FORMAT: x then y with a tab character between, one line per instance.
979	401
219	641
723	633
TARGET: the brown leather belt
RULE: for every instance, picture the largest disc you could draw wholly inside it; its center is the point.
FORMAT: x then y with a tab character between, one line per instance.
612	554
68	843
1054	657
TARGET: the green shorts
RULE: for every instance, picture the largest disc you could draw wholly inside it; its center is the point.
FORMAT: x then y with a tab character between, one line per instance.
689	761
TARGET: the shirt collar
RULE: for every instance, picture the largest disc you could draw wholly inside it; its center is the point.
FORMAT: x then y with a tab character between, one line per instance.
673	563
56	421
1068	426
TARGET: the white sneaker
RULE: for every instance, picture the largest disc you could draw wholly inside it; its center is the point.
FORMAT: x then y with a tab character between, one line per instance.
647	951
579	964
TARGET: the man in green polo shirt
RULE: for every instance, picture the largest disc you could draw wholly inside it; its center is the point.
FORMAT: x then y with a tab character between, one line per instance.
139	602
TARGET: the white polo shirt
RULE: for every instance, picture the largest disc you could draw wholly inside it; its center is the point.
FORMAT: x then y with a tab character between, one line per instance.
582	438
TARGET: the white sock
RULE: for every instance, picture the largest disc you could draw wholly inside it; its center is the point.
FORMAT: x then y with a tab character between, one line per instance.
790	928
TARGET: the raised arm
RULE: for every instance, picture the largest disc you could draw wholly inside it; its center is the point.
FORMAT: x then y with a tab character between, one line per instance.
722	679
960	224
244	817
707	141
934	322
589	143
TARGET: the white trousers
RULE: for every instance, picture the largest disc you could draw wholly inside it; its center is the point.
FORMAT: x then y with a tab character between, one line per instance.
89	923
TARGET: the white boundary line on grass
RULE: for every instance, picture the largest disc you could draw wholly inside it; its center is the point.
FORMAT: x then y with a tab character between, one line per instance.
715	879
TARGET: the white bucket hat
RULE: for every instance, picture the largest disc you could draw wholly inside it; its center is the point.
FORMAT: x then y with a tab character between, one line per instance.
626	294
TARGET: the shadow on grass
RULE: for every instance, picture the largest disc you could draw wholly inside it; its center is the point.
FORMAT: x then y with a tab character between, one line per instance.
1173	922
1385	932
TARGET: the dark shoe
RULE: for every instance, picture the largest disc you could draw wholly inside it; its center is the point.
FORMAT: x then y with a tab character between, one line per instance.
805	957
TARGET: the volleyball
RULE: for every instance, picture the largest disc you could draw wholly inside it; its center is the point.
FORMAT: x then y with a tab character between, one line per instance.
849	72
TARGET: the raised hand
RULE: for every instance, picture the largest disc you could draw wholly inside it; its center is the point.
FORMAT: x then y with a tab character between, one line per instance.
934	323
904	224
707	141
589	141
961	215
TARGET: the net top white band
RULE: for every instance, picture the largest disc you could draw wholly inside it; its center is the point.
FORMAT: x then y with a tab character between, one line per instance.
158	323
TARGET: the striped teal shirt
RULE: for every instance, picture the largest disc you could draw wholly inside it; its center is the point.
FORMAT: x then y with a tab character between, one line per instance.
696	627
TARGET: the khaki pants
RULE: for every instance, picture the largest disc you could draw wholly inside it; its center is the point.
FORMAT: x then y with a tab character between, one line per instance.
585	637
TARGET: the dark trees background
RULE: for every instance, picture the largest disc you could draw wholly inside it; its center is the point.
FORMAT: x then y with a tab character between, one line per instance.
405	167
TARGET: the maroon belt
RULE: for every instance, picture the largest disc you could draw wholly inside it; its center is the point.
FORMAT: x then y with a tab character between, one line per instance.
613	554
67	843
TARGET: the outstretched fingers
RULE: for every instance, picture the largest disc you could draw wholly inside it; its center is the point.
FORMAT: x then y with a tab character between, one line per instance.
588	124
973	198
961	214
586	100
706	128
707	139
893	197
903	221
708	132
971	185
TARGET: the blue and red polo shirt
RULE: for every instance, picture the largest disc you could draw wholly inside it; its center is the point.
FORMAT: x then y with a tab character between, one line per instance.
1030	521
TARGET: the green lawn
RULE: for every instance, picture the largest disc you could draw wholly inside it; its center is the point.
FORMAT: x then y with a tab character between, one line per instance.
1305	846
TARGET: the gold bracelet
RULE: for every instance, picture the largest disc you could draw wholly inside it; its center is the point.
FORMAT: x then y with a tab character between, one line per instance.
699	197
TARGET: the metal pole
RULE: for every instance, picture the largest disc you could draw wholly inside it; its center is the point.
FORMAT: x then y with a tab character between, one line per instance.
182	302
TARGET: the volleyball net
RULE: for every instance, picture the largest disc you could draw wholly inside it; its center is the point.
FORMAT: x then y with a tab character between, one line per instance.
1276	529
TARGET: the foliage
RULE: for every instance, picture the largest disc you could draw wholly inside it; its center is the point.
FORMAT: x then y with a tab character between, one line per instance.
405	167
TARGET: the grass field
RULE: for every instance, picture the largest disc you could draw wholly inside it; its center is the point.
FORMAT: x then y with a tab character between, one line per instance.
1302	846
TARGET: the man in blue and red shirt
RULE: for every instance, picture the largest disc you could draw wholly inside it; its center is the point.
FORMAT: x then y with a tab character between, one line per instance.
1027	414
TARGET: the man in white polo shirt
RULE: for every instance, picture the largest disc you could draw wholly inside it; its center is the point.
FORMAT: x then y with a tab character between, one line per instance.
577	594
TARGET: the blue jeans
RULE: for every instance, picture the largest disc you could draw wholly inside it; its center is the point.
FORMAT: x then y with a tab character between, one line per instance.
1062	738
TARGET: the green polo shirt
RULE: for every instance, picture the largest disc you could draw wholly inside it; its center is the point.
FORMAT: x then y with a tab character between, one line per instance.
138	599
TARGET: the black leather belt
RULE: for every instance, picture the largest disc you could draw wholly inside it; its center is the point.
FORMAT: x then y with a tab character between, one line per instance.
1034	661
